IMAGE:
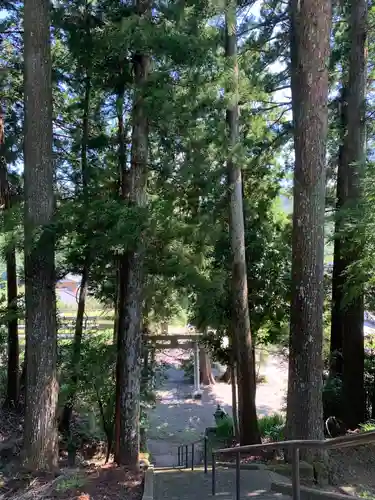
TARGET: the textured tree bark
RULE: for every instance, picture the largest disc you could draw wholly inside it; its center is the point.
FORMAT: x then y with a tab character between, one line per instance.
310	32
115	304
338	280
122	270
205	367
234	402
353	163
227	375
248	423
129	355
123	191
41	443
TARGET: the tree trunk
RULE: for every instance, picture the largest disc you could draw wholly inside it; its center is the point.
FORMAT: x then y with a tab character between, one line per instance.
122	263
234	402
124	192
78	332
373	398
116	299
353	162
338	279
12	394
130	334
13	375
76	356
310	32
248	423
227	376
205	367
41	443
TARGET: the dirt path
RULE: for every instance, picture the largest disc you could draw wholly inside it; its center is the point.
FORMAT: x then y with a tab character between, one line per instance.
179	419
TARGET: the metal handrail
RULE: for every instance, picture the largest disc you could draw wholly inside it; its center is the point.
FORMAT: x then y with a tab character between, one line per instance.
294	445
183	453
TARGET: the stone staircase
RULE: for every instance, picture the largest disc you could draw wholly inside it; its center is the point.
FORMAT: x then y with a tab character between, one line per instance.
185	484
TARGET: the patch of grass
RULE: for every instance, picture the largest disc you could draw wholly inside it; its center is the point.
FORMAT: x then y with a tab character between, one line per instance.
69	483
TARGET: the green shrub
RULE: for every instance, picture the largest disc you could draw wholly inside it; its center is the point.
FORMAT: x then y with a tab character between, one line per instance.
95	397
225	428
367	426
366	494
272	427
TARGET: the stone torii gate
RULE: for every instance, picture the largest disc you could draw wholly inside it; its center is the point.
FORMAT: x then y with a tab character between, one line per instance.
179	341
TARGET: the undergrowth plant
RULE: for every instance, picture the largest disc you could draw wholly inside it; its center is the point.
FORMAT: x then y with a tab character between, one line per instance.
95	398
271	427
367	426
225	428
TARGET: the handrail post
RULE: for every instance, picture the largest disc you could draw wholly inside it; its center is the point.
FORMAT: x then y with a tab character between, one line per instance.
213	474
296	487
186	456
179	456
238	476
205	454
192	456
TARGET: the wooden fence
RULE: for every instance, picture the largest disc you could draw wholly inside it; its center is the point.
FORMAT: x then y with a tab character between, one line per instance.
66	325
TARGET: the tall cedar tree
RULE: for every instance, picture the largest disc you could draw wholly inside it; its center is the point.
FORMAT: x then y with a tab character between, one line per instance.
79	325
338	277
248	423
310	31
129	334
353	159
41	443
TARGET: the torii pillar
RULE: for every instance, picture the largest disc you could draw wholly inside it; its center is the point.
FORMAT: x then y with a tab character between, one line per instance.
197	394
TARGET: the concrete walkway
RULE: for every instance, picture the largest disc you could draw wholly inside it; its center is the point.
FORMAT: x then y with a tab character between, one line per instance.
178	419
182	484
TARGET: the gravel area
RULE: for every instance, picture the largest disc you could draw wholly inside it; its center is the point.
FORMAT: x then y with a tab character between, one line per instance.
179	419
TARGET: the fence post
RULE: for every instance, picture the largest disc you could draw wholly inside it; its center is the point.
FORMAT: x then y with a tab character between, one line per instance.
205	454
213	474
238	476
179	455
186	456
296	489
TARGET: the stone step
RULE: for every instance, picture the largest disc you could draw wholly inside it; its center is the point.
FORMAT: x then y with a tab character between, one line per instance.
185	484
